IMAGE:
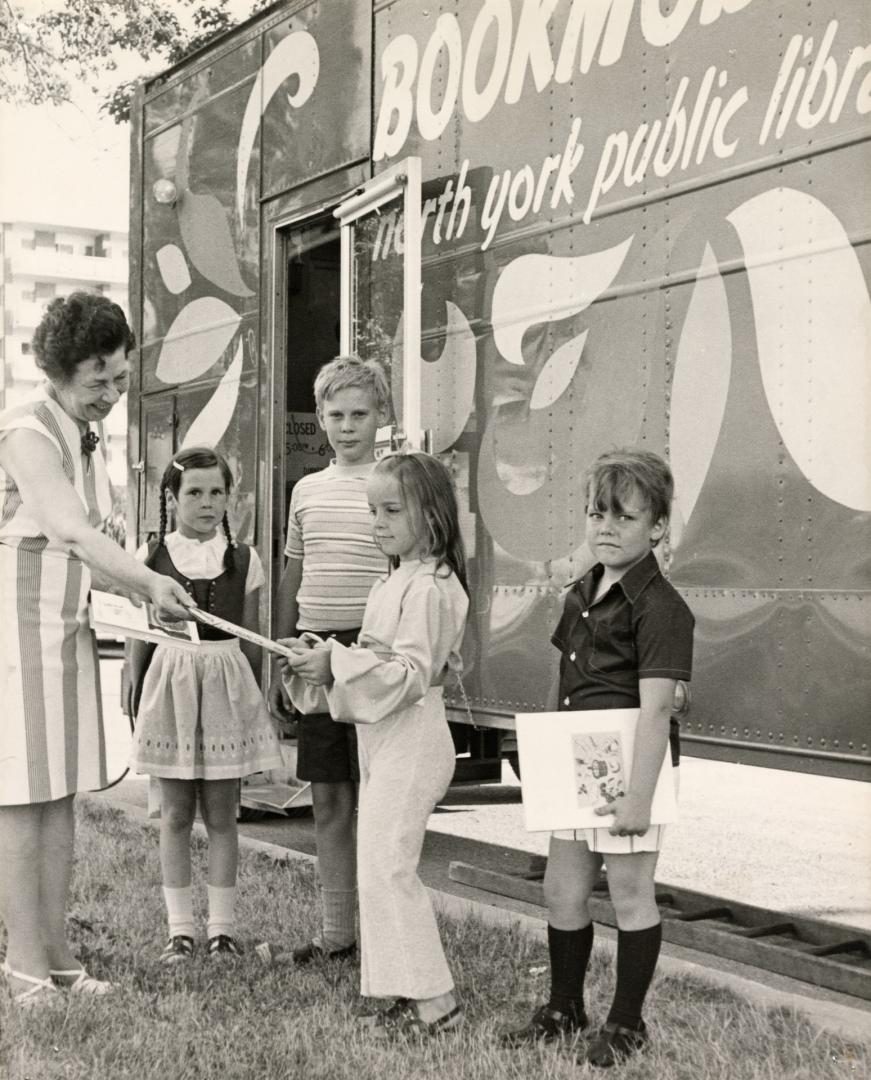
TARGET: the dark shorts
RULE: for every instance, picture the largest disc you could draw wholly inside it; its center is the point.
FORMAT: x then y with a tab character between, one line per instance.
327	750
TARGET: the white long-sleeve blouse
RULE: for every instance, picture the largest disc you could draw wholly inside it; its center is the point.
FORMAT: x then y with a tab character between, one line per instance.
411	636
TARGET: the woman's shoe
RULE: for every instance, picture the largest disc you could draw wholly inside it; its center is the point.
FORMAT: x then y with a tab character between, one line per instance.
82	983
40	993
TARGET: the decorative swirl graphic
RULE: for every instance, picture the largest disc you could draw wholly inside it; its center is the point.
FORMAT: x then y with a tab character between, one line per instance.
197	338
529	452
447	390
700	387
209	426
534	289
297	54
813	324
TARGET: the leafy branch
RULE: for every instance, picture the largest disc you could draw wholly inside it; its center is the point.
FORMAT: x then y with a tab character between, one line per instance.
43	56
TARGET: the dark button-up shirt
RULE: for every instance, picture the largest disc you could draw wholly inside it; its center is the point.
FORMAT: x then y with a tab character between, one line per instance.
640	629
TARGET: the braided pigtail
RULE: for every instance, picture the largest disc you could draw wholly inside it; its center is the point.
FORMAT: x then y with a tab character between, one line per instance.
162	532
230	549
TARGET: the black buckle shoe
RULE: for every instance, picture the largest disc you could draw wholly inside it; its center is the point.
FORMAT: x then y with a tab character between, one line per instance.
547	1025
305	954
402	1019
224	945
613	1043
178	949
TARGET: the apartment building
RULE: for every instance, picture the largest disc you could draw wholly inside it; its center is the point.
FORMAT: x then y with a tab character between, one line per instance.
39	261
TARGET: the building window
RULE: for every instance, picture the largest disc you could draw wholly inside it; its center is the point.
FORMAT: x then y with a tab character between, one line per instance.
42	239
44	290
25	348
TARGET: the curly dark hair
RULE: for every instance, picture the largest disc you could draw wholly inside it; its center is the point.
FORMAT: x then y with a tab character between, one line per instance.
77	327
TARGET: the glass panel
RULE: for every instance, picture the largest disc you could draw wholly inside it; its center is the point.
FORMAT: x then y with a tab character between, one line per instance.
159	430
377	296
312	283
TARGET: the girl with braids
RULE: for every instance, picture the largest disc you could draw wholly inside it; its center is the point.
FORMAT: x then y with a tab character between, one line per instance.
390	685
201	722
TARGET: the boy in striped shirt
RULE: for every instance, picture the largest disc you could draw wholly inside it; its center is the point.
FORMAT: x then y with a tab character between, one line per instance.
332	563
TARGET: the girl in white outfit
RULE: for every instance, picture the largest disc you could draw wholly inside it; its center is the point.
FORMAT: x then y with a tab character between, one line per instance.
390	685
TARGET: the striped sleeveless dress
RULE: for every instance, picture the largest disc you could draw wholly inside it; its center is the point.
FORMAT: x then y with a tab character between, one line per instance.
52	742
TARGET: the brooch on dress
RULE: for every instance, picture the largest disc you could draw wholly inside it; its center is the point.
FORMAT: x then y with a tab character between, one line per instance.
89	442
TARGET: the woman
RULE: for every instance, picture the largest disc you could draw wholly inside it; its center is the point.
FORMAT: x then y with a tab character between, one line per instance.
55	496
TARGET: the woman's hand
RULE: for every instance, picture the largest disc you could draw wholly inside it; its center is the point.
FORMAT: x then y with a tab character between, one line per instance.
630	818
169	598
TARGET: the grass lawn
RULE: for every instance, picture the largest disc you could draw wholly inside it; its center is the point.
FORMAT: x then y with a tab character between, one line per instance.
244	1021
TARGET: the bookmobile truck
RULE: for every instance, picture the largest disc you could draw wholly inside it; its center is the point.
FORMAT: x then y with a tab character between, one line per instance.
562	226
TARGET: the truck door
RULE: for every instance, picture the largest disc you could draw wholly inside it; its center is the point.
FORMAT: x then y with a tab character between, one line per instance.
380	290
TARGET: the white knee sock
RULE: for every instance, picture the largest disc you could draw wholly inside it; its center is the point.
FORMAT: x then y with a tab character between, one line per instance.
179	908
340	918
222	902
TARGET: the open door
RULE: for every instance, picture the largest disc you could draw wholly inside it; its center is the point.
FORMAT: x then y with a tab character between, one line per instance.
380	290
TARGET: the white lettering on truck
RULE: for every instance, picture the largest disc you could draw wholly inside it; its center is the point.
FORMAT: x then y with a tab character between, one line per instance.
593	30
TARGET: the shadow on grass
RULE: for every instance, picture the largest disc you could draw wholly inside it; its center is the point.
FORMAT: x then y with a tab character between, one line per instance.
243	1020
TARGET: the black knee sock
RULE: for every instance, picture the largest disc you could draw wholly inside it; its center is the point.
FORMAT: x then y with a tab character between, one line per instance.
637	953
569	955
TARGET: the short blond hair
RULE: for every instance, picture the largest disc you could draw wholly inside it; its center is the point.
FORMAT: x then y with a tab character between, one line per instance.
350	372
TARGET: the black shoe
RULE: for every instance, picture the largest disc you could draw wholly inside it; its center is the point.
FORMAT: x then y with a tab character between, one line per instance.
613	1043
178	949
224	945
547	1025
305	954
402	1019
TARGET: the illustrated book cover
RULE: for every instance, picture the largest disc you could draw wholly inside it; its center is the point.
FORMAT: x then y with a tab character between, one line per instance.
571	763
116	616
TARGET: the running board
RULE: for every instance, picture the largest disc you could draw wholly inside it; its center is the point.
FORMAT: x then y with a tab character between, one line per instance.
811	950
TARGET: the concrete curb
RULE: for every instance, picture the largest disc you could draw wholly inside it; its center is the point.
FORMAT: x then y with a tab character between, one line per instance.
836	1016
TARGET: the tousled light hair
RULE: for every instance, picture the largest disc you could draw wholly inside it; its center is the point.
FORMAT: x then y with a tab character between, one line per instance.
428	489
614	477
195	457
352	373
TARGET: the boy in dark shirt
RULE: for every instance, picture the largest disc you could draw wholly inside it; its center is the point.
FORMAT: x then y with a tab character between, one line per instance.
625	639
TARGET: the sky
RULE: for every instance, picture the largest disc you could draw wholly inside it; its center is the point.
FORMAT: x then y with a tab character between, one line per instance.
63	166
69	165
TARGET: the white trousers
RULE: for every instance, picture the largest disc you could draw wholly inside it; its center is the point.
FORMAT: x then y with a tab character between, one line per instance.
406	765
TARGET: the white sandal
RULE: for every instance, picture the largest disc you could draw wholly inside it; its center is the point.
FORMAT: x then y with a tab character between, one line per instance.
40	992
83	984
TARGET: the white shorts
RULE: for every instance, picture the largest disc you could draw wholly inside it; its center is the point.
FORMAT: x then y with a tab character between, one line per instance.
601	840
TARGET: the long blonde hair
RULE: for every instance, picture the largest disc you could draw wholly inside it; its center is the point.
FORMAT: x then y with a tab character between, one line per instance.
427	487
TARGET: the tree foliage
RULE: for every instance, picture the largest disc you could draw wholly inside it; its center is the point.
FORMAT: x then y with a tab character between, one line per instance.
48	48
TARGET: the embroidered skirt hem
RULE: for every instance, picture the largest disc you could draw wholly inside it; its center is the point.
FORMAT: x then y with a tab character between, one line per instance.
202	716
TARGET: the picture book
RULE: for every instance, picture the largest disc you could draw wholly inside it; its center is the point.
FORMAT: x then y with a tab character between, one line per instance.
116	616
572	763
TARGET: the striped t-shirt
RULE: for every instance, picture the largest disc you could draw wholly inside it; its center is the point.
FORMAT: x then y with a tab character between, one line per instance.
329	528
